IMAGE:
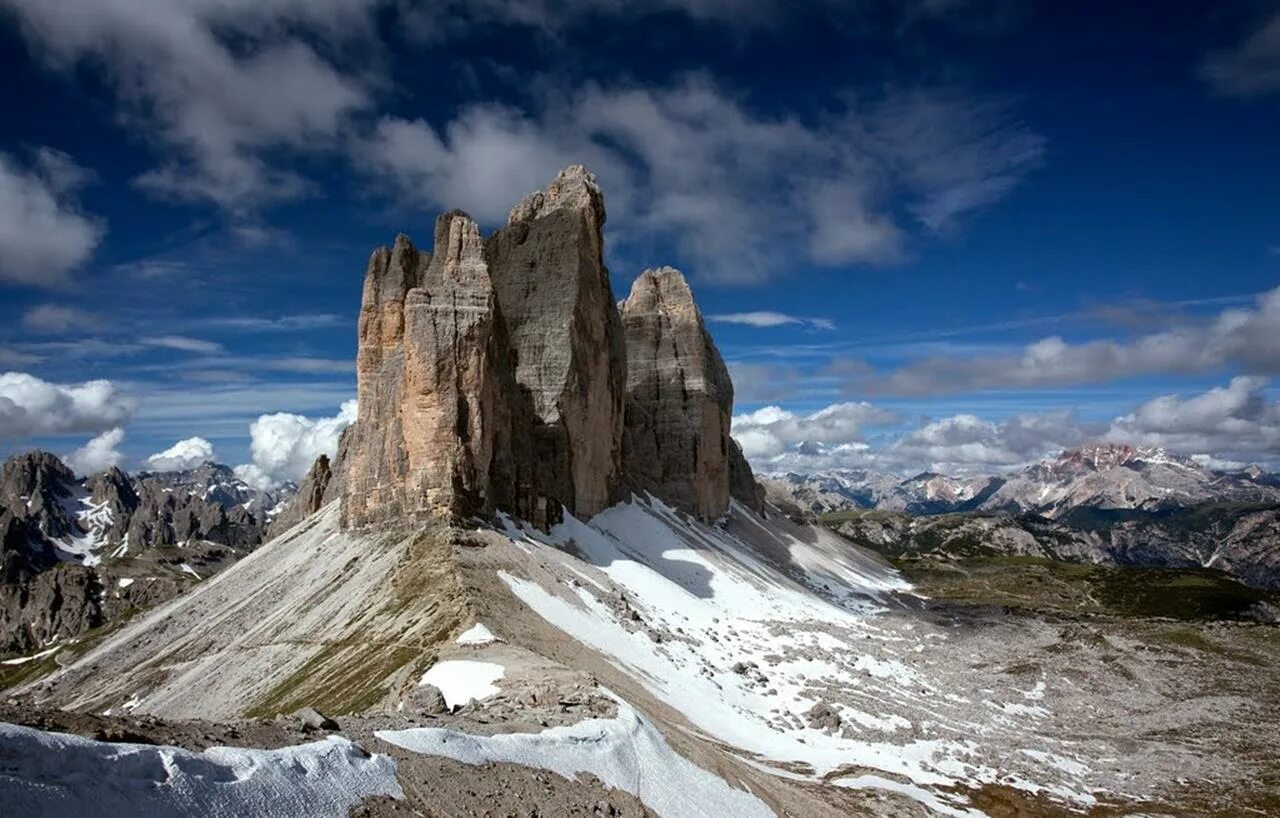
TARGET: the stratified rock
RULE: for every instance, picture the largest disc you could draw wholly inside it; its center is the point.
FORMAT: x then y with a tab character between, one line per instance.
429	373
565	337
679	398
377	469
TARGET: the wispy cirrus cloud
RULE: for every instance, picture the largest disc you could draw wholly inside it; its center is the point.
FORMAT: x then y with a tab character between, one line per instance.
1252	67
764	319
1246	337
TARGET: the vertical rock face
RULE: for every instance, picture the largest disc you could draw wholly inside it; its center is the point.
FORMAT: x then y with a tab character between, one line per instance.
565	337
493	375
679	398
377	470
428	373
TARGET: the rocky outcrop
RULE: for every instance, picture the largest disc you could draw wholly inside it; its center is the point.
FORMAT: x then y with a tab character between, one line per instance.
311	497
494	374
679	398
565	337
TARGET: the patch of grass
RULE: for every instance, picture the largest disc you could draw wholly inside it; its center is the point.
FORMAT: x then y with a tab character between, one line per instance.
343	677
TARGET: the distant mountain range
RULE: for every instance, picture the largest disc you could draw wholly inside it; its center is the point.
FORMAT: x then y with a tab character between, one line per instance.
1105	477
1107	504
76	553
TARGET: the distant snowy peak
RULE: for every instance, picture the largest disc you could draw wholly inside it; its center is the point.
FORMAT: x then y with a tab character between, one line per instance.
218	484
1109	476
1122	477
47	514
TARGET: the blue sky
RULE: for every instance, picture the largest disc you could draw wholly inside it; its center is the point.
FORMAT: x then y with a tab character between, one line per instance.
957	234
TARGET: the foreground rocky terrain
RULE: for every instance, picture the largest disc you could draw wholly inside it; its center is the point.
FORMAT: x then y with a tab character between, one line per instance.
80	554
539	578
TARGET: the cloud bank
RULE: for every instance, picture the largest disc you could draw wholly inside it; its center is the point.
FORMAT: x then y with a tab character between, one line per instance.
283	446
30	406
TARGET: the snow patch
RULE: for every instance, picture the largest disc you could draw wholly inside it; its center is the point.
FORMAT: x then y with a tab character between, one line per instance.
50	775
477	634
625	752
463	680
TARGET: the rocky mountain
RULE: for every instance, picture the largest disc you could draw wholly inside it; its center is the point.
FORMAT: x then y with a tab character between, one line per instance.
841	490
78	553
1240	541
538	577
1105	477
1118	476
495	374
218	485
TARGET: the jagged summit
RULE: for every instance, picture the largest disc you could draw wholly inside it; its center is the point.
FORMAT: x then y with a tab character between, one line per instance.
497	375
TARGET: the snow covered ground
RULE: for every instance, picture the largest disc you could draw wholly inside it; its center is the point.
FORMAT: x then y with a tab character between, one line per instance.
746	627
625	752
52	775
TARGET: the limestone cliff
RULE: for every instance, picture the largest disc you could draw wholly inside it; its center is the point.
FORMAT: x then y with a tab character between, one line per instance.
566	339
493	374
679	398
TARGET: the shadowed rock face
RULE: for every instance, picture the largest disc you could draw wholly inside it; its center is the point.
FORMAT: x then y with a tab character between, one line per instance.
565	337
679	398
493	375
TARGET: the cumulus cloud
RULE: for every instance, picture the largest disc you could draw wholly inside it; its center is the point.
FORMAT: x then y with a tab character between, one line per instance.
766	319
44	235
1223	427
833	438
1234	422
736	191
1250	68
1248	338
771	431
98	454
966	443
185	454
217	83
284	446
30	406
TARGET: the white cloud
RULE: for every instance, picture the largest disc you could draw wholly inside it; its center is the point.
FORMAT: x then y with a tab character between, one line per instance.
1222	427
182	344
1248	338
216	82
772	430
284	446
965	443
1249	69
765	319
58	318
44	235
737	192
98	454
1234	422
30	406
185	454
